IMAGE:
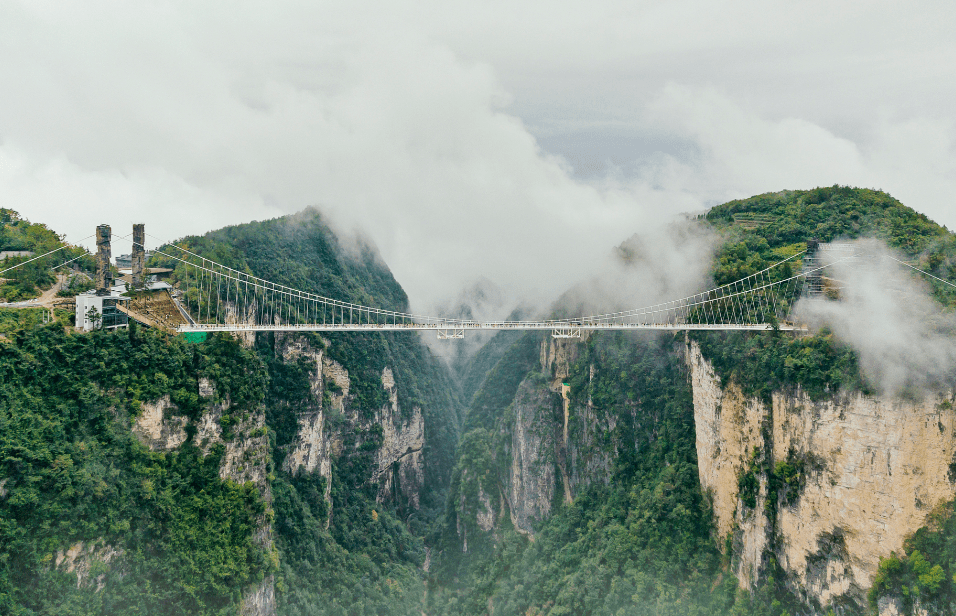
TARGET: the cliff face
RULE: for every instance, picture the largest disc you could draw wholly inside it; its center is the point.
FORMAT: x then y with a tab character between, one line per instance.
532	479
553	448
399	468
868	472
312	450
245	459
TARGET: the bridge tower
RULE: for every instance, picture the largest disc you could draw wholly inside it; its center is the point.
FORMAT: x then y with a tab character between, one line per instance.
139	255
104	276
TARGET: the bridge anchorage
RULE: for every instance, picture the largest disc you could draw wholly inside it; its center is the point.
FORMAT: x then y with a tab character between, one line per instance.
196	294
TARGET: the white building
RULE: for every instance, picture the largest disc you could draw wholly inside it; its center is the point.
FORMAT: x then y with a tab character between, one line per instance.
100	311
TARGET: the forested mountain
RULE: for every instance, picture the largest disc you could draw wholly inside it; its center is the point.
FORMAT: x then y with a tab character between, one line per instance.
140	474
589	449
357	474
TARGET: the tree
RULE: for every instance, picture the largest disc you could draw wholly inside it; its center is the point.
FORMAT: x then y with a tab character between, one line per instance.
94	317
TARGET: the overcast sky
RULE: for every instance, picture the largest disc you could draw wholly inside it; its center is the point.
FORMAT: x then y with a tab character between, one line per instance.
519	141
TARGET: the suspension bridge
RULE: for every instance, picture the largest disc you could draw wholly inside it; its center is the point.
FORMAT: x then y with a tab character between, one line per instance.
215	298
207	296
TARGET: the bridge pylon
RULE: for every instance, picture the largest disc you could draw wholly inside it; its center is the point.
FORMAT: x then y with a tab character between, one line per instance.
104	276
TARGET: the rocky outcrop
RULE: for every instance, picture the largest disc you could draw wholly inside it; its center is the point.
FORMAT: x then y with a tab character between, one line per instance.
260	599
485	516
553	447
88	561
312	449
533	444
399	468
158	427
871	470
883	466
245	459
729	430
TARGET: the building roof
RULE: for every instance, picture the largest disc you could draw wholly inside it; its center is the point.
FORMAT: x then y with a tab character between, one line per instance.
116	293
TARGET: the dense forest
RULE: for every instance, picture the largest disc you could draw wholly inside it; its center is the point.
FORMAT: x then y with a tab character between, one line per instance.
639	542
94	520
73	472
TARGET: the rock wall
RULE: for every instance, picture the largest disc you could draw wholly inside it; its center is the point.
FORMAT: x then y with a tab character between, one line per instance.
873	469
729	428
312	449
158	427
81	559
555	448
399	461
552	445
533	449
400	468
245	459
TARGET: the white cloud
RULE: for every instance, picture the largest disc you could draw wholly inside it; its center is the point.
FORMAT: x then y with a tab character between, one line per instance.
902	337
419	123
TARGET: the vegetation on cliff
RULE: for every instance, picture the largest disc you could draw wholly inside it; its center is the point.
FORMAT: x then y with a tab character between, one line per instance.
641	543
164	533
72	471
924	575
357	556
161	532
764	229
790	218
595	556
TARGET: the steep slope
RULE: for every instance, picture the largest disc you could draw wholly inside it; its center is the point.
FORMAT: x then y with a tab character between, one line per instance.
576	489
616	474
363	426
105	506
797	525
815	469
272	474
826	487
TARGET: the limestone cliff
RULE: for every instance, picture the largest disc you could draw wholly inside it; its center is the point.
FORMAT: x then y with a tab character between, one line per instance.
245	459
532	479
88	561
159	427
312	449
554	448
399	468
871	470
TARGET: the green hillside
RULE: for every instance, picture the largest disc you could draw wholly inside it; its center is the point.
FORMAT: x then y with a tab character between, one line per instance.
819	363
161	531
26	281
362	559
73	472
94	520
641	542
